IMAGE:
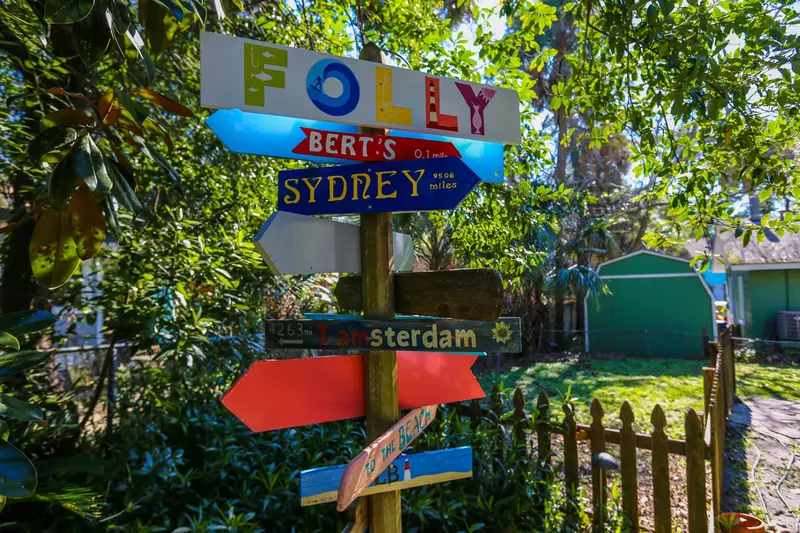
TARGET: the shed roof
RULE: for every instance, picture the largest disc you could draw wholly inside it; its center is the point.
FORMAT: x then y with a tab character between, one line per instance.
645	263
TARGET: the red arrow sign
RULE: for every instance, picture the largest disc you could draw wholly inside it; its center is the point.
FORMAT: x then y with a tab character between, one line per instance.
287	393
360	147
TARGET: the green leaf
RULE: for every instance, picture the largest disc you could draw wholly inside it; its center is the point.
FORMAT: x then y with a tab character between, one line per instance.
110	214
122	190
9	340
22	322
555	103
91	167
141	51
91	37
5	431
17	474
14	408
765	194
156	156
17	362
87	223
746	238
796	193
52	251
63	180
51	140
67	11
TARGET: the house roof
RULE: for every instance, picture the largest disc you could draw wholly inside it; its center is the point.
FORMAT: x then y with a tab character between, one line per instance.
727	245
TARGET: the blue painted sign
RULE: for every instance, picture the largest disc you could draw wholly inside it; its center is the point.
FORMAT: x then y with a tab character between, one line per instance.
321	485
276	136
397	186
417	335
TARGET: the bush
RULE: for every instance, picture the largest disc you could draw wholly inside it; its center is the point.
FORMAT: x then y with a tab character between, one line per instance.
187	464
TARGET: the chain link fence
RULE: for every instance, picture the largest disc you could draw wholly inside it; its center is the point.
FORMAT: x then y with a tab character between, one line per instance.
631	343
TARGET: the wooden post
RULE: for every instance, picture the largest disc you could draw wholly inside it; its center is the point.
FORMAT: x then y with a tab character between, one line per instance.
696	473
662	515
708	388
597	436
628	468
380	368
543	429
571	474
520	420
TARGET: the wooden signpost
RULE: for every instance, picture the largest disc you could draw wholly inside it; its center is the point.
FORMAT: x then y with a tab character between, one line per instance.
277	136
359	147
261	77
277	394
368	465
468	294
321	485
280	101
422	335
298	244
422	185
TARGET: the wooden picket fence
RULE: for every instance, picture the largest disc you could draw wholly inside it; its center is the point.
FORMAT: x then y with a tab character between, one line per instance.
702	441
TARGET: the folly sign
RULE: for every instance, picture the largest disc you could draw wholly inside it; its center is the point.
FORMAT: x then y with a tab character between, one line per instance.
277	80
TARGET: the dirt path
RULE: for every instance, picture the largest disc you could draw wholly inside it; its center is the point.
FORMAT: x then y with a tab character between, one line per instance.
763	462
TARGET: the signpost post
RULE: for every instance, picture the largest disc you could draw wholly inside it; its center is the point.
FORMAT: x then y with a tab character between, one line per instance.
380	367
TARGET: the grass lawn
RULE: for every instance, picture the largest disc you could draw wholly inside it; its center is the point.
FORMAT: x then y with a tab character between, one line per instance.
676	385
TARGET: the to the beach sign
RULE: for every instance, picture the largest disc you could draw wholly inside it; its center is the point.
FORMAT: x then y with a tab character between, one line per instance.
278	80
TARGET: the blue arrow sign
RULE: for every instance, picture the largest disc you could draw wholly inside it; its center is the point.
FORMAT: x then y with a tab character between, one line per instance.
321	485
397	186
275	136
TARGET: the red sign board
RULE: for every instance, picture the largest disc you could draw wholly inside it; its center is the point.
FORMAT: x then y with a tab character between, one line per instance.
358	147
278	394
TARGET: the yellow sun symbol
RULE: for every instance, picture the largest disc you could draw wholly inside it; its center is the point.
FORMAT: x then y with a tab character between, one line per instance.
501	332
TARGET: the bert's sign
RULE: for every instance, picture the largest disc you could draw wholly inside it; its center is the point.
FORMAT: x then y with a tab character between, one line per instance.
401	186
278	80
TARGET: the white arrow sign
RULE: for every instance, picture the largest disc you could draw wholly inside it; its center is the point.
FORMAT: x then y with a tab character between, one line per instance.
298	244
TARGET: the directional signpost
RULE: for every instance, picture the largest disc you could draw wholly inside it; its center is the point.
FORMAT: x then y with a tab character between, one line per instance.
424	335
297	244
446	136
288	393
422	185
376	457
321	485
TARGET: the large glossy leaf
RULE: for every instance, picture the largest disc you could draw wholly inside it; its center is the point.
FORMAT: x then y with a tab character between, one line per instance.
17	474
51	140
87	222
5	431
138	113
91	167
108	108
122	191
53	254
22	322
67	11
139	52
63	180
14	408
66	117
155	155
91	37
156	127
9	341
165	103
110	214
17	362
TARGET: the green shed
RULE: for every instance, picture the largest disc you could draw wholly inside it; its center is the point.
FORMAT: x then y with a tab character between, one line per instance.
765	299
649	305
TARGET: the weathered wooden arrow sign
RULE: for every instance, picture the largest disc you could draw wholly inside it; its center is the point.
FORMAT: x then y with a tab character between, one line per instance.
368	465
424	335
269	78
468	294
321	485
298	244
286	393
276	136
399	186
360	147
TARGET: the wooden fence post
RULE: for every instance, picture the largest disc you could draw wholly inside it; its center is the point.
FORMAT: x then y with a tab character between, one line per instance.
380	368
520	420
660	457
696	473
708	388
543	429
570	450
597	436
629	469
